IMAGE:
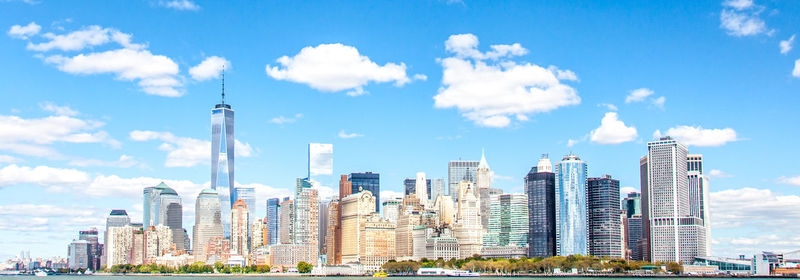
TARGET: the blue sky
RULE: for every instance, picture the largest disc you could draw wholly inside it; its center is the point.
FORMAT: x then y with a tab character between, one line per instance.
102	99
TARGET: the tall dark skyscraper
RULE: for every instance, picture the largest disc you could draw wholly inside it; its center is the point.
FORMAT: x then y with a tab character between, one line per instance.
540	186
95	252
411	186
222	161
605	217
632	205
273	205
367	181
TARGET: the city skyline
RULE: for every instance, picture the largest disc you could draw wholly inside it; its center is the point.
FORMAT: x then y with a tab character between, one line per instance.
119	134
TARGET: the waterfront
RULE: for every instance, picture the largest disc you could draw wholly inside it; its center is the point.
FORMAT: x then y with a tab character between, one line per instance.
228	277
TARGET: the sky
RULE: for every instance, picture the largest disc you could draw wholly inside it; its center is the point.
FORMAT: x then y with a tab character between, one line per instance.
101	99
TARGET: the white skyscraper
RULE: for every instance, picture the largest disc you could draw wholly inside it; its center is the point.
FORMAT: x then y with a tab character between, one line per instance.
672	232
422	189
207	222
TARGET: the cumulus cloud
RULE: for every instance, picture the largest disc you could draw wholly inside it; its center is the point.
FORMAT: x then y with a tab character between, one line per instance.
716	173
181	5
281	120
8	159
185	151
24	32
42	175
33	136
638	95
572	142
344	135
786	45
389	194
796	71
742	18
124	161
210	68
58	110
336	67
489	88
659	102
698	136
608	106
624	191
154	74
795	181
613	131
157	74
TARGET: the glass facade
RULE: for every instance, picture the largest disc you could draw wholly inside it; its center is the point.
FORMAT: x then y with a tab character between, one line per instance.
273	205
540	189
605	223
207	221
458	171
508	221
367	181
222	160
632	204
571	223
248	195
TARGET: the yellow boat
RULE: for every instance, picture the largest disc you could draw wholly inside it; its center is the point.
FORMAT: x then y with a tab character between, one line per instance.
380	274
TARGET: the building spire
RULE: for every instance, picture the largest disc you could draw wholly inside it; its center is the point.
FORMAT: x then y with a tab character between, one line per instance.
483	163
223	83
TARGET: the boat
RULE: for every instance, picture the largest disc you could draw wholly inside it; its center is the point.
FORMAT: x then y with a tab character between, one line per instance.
380	275
40	273
463	273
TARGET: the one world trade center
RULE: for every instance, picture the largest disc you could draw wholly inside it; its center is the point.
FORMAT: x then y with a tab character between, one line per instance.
222	158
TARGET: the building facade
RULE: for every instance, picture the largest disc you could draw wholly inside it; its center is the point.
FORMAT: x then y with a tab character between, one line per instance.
508	221
222	159
356	208
458	171
540	187
468	229
571	223
605	223
367	181
240	244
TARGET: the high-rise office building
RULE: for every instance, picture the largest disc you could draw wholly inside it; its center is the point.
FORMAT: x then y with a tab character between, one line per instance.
331	251
248	195
410	185
171	215
483	183
306	223
356	208
670	232
117	218
78	254
508	221
391	209
632	204
458	171
240	229
95	251
286	228
571	224
367	181
421	189
468	229
634	236
207	222
605	223
257	235
322	229
438	187
345	189
699	195
273	206
157	242
540	186
222	157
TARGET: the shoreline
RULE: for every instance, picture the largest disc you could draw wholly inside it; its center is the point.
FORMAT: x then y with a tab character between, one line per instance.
426	276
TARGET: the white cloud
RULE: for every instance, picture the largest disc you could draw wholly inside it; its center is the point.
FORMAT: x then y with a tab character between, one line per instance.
489	89
124	161
87	37
659	101
420	77
388	194
185	151
336	67
43	210
8	159
786	45
58	110
115	186
758	208
344	135
157	74
624	191
796	71
572	142
567	75
698	136
281	120
716	173
263	192
41	175
638	95
741	18
181	5
795	181
613	131
320	159
24	32
609	106
32	136
210	68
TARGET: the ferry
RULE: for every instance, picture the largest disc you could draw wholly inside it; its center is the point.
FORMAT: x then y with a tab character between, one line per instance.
463	273
380	275
40	273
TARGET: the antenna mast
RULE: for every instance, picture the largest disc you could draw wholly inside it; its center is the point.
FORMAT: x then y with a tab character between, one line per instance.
223	84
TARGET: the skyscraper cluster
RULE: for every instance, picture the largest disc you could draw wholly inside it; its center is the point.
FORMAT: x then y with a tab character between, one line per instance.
561	211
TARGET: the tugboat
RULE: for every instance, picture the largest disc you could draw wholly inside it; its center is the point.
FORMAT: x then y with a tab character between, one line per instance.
380	275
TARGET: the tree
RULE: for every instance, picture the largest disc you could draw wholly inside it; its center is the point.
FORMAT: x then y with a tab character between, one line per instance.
674	268
304	267
219	266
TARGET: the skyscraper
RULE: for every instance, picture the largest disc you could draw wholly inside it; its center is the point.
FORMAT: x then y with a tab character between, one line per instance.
273	205
605	224
483	183
458	171
240	229
632	205
170	212
437	188
540	186
332	253
468	229
508	221
410	185
367	181
153	209
78	253
306	222
248	195
207	222
95	253
117	218
571	224
421	189
673	234
356	208
286	228
222	157
699	195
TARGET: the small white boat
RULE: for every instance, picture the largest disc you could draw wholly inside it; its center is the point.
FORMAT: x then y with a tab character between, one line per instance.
40	273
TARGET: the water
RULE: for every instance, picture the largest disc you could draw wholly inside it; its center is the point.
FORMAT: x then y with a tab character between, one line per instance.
203	277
